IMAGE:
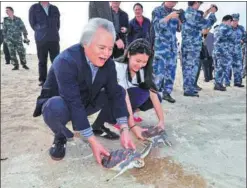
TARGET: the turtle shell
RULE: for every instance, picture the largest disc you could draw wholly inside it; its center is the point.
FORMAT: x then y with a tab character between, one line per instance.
119	156
152	131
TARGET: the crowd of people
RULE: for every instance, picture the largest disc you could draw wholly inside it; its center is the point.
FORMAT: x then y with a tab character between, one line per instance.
122	66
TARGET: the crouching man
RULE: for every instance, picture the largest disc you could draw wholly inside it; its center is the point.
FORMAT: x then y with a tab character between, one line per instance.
82	80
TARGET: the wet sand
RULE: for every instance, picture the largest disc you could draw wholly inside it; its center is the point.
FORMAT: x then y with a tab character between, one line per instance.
208	135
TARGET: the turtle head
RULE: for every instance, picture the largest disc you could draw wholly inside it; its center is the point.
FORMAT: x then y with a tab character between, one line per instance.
146	150
139	163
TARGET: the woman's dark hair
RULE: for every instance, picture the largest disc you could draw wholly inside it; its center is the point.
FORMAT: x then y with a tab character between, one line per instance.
140	46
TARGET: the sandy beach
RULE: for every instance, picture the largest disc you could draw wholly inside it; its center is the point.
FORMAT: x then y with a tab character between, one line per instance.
208	135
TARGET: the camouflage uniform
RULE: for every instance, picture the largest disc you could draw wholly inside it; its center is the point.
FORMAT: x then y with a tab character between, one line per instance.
237	59
12	32
244	59
165	49
224	38
192	44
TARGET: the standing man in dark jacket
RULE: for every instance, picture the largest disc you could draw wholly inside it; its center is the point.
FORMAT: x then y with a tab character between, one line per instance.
121	24
139	27
100	9
44	19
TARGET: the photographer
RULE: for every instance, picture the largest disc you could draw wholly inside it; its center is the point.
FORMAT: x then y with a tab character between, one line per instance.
192	43
121	23
13	28
224	37
165	21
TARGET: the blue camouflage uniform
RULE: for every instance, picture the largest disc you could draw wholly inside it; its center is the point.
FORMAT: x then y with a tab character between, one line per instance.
244	49
165	49
224	38
237	59
192	44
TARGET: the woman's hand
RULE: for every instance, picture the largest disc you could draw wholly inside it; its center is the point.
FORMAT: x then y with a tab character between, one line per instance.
138	132
161	125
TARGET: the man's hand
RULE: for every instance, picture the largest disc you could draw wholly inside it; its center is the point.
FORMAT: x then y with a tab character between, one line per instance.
138	132
126	139
98	149
173	14
120	44
123	29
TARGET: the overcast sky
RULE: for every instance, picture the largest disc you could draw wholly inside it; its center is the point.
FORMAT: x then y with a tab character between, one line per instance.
74	16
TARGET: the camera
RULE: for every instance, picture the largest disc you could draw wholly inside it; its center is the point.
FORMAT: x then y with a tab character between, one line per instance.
27	41
181	15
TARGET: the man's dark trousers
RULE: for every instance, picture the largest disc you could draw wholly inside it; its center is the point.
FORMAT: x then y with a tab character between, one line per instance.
56	114
6	53
43	48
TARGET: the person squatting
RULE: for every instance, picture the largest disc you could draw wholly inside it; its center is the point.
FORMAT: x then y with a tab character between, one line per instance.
120	67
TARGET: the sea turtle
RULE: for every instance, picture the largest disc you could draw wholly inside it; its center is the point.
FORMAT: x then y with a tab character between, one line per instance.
156	135
123	159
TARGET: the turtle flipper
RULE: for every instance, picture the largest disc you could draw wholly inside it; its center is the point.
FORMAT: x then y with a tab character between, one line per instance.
166	141
121	172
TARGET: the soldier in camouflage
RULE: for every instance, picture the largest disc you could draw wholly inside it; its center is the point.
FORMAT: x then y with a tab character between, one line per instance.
237	59
13	27
165	23
224	37
244	56
192	43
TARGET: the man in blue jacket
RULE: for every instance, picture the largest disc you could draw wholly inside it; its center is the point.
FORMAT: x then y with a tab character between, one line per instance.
139	27
121	24
82	80
44	19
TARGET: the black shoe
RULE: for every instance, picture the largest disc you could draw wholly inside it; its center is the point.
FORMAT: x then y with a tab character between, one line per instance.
238	85
206	80
104	132
168	98
7	63
58	148
25	67
41	83
191	95
219	87
198	88
16	68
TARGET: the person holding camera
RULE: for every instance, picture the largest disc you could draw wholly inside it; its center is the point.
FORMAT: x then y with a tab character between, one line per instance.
192	43
222	52
165	21
13	28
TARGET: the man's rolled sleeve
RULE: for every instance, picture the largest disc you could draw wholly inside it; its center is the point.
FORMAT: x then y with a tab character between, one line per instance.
122	120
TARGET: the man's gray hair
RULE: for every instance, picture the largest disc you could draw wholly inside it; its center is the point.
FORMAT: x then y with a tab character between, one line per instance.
91	28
